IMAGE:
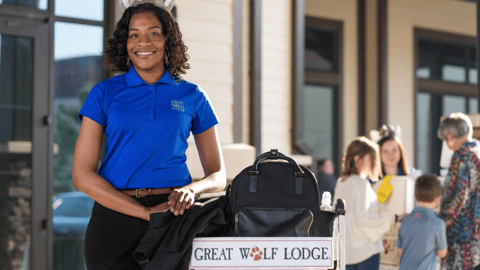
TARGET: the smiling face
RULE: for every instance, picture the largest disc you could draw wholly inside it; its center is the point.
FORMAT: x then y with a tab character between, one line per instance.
146	44
390	153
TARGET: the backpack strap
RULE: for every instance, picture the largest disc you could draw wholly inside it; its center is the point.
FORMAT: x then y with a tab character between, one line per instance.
253	183
298	184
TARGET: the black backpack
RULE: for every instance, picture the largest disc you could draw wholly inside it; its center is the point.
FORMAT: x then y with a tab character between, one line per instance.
277	198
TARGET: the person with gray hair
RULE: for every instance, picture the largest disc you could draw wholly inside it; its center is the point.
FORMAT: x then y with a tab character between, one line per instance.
460	205
456	126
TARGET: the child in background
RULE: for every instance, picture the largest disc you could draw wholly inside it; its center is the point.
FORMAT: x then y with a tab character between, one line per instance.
422	235
364	225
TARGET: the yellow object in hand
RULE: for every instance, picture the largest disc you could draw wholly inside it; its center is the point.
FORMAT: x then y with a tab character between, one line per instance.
385	189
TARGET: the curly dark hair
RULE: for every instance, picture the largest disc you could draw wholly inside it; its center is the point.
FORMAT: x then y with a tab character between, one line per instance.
115	50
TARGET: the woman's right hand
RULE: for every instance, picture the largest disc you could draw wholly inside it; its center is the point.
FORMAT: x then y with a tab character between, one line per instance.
163	207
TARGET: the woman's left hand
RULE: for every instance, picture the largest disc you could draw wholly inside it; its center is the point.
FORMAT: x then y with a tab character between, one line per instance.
181	199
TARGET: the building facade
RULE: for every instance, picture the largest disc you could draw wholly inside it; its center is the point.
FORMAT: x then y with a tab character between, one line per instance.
304	77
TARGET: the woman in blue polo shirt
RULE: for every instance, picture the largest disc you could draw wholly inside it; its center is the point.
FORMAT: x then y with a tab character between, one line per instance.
146	114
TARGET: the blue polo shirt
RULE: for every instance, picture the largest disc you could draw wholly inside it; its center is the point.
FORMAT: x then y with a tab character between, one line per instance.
147	127
420	236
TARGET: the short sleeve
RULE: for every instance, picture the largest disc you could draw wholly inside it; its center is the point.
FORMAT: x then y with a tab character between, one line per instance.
205	116
93	106
441	238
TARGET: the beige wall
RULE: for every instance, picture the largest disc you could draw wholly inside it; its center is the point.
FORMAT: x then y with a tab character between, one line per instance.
276	75
403	16
345	11
207	28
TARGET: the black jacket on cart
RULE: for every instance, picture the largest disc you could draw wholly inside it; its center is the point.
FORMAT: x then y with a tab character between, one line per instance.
168	241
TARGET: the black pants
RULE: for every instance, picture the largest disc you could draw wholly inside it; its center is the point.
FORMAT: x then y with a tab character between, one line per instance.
112	237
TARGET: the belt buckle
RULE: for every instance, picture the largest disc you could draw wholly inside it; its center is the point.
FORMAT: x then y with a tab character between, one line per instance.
136	192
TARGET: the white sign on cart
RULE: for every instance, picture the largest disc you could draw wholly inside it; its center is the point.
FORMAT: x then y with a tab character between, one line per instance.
262	252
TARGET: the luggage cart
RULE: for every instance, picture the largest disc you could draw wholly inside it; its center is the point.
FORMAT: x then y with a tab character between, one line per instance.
273	252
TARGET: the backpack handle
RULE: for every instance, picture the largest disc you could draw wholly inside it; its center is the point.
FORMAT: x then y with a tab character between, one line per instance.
273	155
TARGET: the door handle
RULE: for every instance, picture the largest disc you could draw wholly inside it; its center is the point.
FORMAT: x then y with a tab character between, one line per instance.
47	120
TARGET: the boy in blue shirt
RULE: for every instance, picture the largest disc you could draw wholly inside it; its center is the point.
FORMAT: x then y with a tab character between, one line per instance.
422	235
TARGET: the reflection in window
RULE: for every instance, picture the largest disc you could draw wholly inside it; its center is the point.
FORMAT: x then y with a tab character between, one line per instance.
16	88
430	108
472	64
78	57
443	60
40	4
76	40
447	62
73	207
16	60
423	73
454	74
319	120
422	134
84	9
472	105
472	76
320	47
452	104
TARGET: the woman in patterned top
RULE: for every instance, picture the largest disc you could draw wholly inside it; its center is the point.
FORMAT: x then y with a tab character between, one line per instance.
460	205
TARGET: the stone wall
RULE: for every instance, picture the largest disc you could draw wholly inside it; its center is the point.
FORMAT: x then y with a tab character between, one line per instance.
15	210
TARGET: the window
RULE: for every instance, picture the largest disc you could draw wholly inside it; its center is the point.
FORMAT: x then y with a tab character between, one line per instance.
39	4
320	49
43	39
79	32
317	120
446	62
446	78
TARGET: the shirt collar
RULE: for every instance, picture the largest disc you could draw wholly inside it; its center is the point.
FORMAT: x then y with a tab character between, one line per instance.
421	209
133	79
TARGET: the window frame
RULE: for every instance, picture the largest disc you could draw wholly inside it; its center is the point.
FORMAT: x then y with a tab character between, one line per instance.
437	87
302	77
48	17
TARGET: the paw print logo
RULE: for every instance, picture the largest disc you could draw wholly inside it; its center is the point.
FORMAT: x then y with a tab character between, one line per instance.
256	253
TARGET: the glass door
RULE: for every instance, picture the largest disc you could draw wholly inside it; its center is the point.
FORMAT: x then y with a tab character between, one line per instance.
24	130
78	67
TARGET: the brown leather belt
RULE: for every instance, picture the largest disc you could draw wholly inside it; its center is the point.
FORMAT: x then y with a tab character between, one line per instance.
143	192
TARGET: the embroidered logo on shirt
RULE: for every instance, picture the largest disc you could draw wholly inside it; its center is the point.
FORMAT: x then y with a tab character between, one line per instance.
177	105
416	216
